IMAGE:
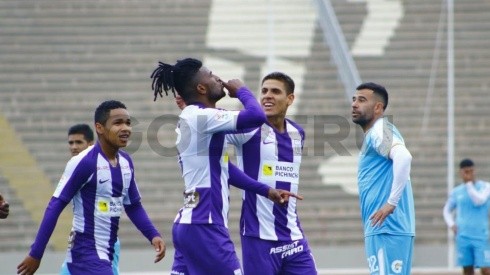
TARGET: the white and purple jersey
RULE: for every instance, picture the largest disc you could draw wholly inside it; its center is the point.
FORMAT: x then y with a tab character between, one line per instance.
99	193
202	155
273	158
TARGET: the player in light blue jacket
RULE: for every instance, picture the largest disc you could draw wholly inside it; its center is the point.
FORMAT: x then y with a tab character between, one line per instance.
470	201
385	190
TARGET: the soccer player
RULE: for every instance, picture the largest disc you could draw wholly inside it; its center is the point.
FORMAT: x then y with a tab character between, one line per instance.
101	182
385	190
4	207
272	239
80	137
471	202
200	234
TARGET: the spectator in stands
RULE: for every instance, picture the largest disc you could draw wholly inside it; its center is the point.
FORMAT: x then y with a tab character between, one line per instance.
101	182
4	207
200	234
385	191
80	137
471	202
266	229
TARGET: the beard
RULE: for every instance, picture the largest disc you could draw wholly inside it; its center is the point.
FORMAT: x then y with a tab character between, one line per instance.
361	121
215	96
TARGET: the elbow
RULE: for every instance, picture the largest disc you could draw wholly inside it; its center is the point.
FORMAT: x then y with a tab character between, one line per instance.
251	119
408	157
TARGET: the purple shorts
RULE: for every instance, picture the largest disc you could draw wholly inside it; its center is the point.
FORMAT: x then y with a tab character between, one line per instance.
93	267
203	249
277	257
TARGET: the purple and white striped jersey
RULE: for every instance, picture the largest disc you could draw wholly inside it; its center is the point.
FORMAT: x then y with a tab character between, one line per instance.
272	158
203	159
202	156
99	192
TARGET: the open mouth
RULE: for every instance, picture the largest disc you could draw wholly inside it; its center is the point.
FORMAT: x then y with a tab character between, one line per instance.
124	138
268	105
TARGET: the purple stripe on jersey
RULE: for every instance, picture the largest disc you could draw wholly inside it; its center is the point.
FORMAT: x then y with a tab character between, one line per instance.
117	186
215	152
200	214
251	166
87	241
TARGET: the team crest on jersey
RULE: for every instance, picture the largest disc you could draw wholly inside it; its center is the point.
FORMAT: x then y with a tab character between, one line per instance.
396	266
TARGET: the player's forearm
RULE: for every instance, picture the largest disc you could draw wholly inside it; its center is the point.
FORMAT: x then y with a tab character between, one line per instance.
402	160
241	180
140	219
448	217
252	115
51	215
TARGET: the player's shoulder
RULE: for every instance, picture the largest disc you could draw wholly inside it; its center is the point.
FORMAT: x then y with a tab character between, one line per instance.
459	188
125	155
295	125
85	155
486	184
198	112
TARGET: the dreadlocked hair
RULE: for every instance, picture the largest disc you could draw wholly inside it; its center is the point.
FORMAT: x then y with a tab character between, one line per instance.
176	78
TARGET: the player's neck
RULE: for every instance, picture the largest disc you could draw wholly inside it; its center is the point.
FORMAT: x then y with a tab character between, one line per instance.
366	127
110	153
277	122
207	102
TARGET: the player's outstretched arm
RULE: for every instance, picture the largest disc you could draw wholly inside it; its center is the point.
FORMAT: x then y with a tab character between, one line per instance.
282	196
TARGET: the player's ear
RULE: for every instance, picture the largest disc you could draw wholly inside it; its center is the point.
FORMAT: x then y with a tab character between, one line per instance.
201	89
99	128
290	98
378	107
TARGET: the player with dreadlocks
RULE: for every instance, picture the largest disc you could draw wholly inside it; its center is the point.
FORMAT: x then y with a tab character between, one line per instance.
200	234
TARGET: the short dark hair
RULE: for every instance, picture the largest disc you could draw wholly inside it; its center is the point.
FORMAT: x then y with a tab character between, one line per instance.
103	110
284	78
82	129
466	163
180	78
377	89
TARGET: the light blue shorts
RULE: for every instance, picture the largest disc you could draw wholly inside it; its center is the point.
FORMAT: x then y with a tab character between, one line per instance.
389	254
471	252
